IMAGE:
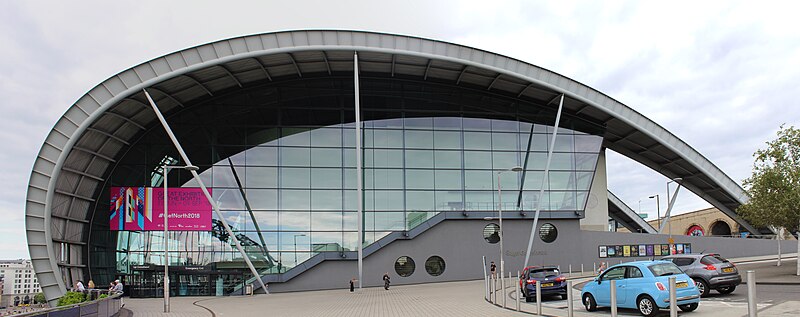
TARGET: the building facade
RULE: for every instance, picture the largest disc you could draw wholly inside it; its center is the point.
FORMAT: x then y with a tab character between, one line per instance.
269	120
17	280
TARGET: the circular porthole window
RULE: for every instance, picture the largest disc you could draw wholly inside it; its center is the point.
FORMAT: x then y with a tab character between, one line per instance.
434	265
548	232
404	266
491	233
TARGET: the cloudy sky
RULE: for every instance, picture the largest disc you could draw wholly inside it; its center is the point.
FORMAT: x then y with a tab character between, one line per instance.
719	75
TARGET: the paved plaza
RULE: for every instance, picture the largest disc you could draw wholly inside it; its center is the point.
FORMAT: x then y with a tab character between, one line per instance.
779	296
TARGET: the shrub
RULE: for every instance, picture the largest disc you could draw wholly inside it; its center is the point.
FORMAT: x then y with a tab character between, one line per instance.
71	298
39	298
102	296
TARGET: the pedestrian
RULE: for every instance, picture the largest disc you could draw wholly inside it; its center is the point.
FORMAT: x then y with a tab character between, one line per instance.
352	284
386	280
79	286
493	269
601	268
118	287
91	284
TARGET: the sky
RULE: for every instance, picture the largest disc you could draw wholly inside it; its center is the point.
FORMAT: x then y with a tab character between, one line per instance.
720	75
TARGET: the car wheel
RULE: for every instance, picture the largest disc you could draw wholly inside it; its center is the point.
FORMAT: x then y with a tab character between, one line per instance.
647	306
702	286
726	289
589	303
688	307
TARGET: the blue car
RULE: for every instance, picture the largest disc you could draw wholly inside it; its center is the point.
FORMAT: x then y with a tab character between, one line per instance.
642	285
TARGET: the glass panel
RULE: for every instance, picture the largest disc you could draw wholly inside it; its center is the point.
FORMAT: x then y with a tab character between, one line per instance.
504	160
533	180
536	160
383	200
331	137
295	199
562	201
584	180
562	180
295	177
419	200
389	221
326	178
419	139
588	143
480	200
476	124
295	156
585	162
349	158
327	221
350	240
478	180
562	161
350	200
477	160
504	141
267	220
264	199
449	201
477	141
326	200
447	123
419	179
383	158
505	125
418	123
326	157
375	138
349	136
295	137
564	143
261	177
530	198
419	158
447	159
228	198
580	199
295	221
448	179
262	156
383	178
447	139
350	178
223	177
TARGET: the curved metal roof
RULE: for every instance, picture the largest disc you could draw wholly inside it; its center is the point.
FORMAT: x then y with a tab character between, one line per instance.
85	142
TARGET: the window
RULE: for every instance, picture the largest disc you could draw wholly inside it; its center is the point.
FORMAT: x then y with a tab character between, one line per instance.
491	233
634	272
404	266
434	265
682	261
548	232
616	273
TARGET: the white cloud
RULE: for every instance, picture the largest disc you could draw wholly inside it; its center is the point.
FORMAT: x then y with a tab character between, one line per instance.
720	75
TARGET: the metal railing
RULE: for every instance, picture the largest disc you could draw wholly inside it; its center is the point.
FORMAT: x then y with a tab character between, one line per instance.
101	307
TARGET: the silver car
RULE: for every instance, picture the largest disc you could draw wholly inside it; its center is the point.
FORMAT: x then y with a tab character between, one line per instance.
709	271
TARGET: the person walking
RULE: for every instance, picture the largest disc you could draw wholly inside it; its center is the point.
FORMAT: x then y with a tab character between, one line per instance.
79	286
118	287
386	280
353	284
601	268
493	269
91	284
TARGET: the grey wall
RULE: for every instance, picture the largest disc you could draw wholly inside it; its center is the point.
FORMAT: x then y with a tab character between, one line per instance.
460	243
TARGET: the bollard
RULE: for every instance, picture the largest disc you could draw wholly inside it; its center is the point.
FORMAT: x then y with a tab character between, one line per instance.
519	293
673	298
538	298
504	290
494	289
570	270
486	287
594	267
581	268
613	298
570	307
779	236
752	310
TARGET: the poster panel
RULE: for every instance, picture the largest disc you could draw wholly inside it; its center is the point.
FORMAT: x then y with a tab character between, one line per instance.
650	250
142	209
612	251
642	250
603	251
626	250
634	250
665	249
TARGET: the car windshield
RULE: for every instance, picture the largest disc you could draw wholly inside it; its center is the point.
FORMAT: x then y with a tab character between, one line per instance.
663	269
542	273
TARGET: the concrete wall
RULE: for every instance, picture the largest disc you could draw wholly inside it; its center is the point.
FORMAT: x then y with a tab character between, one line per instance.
461	244
596	215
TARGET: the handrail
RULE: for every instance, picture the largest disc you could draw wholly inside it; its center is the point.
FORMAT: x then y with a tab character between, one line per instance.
87	304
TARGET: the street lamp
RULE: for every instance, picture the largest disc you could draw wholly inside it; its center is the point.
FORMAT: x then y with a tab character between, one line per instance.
500	220
295	246
658	212
165	171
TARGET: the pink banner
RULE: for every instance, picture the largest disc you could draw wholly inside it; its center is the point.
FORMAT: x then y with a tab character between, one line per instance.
142	209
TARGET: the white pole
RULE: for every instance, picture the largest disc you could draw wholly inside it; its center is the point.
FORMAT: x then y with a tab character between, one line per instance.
778	237
359	207
538	298
613	298
570	305
500	217
519	293
544	179
205	191
798	252
752	310
165	171
673	298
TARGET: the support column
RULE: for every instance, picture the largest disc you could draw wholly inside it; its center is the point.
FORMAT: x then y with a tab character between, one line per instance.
359	175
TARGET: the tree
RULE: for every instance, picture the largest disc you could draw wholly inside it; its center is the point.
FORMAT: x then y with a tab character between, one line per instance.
774	187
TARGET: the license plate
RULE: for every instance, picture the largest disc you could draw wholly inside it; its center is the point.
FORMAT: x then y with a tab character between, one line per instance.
727	270
547	284
682	284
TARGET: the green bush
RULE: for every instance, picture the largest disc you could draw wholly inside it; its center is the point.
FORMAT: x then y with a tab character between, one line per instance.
71	298
39	298
102	296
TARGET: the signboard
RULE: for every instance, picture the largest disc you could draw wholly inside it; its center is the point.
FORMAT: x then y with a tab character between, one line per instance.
142	209
640	250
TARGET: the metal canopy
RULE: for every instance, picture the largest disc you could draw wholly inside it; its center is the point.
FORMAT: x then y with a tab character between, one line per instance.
79	152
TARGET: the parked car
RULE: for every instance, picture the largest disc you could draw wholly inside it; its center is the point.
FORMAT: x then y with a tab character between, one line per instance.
709	271
642	285
551	281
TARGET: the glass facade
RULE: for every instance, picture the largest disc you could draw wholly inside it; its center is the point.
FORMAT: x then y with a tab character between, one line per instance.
281	164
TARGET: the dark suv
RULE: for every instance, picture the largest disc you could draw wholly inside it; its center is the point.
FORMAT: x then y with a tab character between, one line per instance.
551	280
709	271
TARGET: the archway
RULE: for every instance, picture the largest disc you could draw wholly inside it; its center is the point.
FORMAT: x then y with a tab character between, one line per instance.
720	228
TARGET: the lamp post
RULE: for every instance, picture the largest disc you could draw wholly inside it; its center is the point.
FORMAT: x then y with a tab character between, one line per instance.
295	246
165	171
658	212
500	220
